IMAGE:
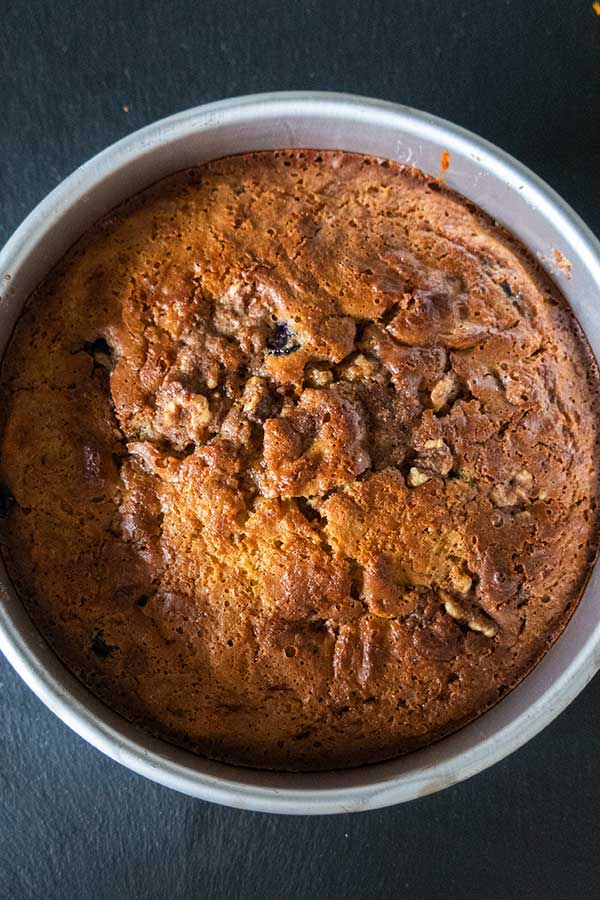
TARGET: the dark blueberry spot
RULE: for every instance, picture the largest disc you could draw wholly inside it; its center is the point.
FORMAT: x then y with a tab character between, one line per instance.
100	345
282	341
433	186
141	601
506	288
7	502
100	647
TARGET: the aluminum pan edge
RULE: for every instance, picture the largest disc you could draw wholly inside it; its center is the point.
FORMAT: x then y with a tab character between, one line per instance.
492	179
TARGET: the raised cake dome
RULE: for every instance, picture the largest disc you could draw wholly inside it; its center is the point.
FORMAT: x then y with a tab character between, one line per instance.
300	460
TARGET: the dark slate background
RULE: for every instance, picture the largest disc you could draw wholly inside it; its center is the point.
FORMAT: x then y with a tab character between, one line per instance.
75	76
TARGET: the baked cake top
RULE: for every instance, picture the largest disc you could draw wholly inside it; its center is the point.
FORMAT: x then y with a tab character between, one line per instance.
300	456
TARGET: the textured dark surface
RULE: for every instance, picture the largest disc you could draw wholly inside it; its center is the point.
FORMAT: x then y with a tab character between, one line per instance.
523	74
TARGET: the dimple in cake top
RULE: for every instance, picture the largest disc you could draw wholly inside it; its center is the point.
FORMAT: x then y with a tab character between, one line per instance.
303	452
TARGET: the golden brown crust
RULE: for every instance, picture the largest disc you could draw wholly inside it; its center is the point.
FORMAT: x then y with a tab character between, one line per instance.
300	456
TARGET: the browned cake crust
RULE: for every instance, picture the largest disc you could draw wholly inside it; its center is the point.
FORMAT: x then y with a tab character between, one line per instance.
300	455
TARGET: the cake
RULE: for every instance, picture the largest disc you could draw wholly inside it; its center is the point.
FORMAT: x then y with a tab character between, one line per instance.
299	460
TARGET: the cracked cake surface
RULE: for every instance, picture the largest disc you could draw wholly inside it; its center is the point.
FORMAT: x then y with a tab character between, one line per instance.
299	460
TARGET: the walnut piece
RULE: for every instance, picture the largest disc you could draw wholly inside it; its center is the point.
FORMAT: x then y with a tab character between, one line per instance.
461	582
517	489
503	495
360	369
317	376
445	391
475	623
524	479
416	477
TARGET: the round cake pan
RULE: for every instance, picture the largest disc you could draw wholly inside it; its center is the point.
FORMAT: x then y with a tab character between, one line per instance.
510	193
